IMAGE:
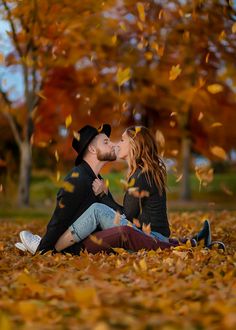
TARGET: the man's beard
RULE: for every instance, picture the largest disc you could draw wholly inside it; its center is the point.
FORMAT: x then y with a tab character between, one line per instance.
108	156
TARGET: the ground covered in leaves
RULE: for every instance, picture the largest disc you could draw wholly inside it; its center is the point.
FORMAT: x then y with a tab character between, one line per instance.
185	288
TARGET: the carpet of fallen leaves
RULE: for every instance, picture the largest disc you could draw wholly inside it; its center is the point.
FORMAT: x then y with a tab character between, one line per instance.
184	288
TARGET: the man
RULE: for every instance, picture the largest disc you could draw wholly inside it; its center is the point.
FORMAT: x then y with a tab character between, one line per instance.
94	150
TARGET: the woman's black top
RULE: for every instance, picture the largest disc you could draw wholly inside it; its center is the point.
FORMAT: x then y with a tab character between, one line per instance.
149	209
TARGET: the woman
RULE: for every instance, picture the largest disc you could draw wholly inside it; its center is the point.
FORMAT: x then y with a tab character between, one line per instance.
144	201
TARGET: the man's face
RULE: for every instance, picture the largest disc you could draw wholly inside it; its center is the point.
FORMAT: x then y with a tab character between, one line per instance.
105	148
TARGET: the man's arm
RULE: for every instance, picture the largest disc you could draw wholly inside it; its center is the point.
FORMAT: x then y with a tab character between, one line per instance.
69	199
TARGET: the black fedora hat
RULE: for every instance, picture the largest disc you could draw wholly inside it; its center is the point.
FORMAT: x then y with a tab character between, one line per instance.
84	136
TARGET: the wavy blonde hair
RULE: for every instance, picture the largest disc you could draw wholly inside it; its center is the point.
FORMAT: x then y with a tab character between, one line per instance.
144	154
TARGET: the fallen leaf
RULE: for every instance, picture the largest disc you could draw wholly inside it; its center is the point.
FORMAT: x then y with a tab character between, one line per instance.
174	72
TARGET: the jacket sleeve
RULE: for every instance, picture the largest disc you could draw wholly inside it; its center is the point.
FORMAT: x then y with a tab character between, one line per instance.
134	201
69	199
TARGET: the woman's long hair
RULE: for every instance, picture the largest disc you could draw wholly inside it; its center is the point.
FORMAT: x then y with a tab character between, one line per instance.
144	154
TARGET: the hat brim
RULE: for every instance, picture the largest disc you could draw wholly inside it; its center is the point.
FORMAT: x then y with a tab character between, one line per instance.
106	129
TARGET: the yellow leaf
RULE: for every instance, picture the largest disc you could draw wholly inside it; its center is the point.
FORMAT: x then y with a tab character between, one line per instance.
40	94
222	35
1	58
234	28
114	39
174	72
161	14
75	174
95	240
214	88
117	218
86	296
30	283
216	124
141	11
200	116
219	152
207	57
146	228
123	26
160	50
76	135
107	183
140	26
67	186
148	56
123	76
58	176
42	144
5	322
179	178
27	309
119	250
143	264
136	223
68	121
56	156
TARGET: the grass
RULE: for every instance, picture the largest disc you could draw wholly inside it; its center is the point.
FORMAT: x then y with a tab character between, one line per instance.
44	189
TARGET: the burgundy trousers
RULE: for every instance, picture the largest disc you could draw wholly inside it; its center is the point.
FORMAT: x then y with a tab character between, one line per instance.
124	237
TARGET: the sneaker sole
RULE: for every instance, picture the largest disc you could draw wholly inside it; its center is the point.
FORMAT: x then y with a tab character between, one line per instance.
25	244
20	246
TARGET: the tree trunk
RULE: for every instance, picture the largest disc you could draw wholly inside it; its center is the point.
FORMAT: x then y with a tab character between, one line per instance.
25	173
185	192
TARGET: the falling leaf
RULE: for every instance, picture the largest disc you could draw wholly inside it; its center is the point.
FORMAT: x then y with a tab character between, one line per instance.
58	176
42	144
114	39
96	240
141	11
140	26
214	88
67	186
123	76
123	26
219	152
160	138
148	56
161	14
207	57
222	35
136	223
174	113
56	156
68	121
40	94
75	174
76	135
61	205
179	178
234	28
174	152
201	82
226	190
174	72
1	58
172	123
200	116
107	183
146	228
216	124
117	218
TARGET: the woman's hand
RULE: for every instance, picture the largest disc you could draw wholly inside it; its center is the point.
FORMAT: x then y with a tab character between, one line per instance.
99	187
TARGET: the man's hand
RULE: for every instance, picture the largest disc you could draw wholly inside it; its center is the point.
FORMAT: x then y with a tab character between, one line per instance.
99	187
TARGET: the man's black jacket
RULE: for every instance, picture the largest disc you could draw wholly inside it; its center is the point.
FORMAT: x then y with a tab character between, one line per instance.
72	200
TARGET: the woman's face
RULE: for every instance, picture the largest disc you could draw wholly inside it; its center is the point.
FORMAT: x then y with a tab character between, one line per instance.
123	147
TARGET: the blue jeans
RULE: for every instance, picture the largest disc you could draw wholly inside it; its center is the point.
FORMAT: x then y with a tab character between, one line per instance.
102	215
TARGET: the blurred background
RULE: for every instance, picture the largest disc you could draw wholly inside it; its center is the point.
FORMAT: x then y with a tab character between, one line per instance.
168	65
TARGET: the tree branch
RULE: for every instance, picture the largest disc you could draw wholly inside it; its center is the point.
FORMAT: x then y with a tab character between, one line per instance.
14	35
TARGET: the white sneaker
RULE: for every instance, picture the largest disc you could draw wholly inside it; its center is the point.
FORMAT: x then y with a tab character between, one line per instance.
20	246
30	241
